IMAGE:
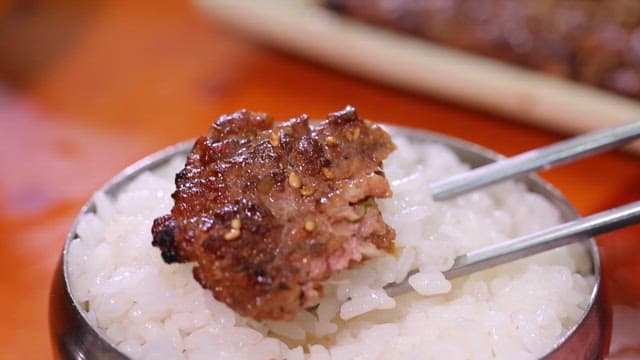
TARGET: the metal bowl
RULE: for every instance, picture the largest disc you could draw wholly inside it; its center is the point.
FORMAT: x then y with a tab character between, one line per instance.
74	338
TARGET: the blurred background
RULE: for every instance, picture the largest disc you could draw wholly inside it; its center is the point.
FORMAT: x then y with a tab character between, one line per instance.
88	87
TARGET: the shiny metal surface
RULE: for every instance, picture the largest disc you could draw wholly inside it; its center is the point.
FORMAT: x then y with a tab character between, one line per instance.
72	335
535	243
537	159
576	230
74	338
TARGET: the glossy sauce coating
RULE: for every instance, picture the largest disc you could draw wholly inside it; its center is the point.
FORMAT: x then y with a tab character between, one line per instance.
268	211
595	42
88	90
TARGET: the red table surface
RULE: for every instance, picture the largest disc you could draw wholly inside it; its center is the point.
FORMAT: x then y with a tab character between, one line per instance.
86	89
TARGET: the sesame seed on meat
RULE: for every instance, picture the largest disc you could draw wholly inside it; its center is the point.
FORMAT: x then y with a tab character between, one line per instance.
268	211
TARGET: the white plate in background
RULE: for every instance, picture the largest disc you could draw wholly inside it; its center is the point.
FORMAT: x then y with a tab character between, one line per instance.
301	27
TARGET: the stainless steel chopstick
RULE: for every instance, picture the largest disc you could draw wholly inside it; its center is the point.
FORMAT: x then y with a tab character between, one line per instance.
537	159
535	243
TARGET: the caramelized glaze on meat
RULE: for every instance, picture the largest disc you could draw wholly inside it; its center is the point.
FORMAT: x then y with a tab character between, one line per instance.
596	42
270	211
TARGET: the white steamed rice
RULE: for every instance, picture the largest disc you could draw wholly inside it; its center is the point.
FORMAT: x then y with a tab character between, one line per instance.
151	310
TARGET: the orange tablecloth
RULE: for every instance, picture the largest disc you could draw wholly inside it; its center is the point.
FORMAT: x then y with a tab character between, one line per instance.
87	89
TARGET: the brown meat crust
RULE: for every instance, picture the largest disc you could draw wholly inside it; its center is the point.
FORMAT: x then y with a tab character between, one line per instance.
270	211
596	42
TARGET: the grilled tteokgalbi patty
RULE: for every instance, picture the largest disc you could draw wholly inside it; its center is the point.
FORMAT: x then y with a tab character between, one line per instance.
268	211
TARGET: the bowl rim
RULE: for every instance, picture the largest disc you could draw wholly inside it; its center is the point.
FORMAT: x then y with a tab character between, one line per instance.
459	146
